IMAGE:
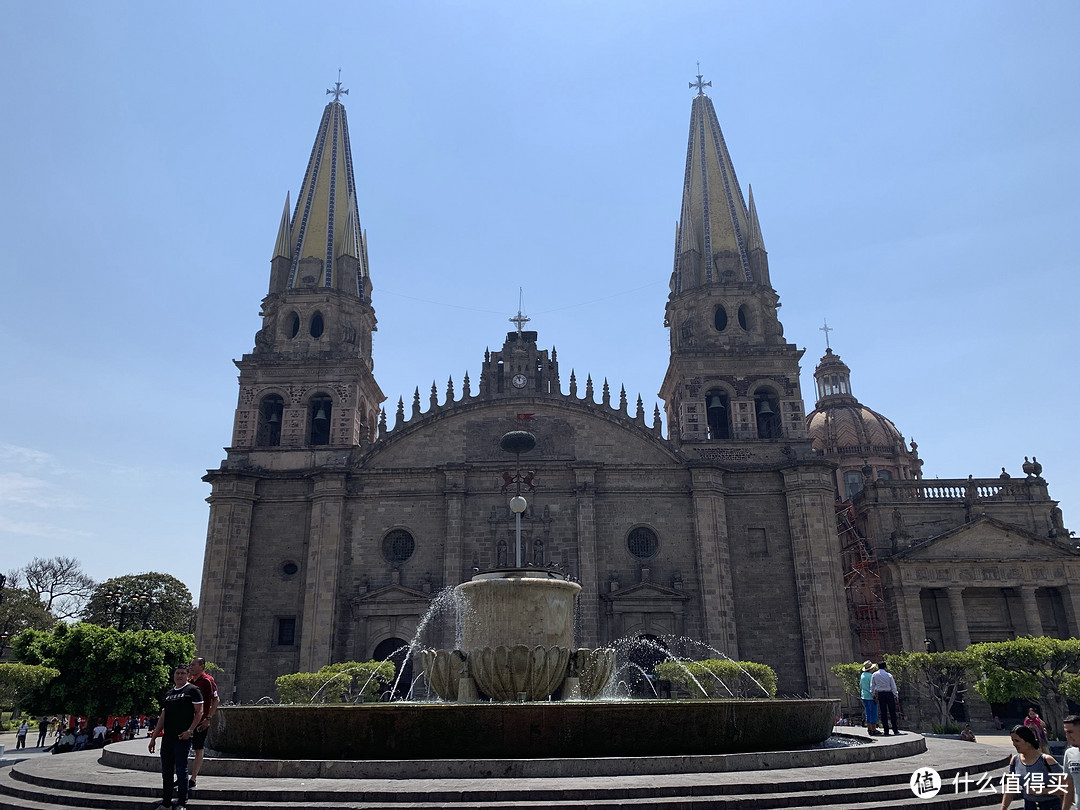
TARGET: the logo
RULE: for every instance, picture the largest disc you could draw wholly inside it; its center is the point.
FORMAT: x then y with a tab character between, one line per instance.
925	783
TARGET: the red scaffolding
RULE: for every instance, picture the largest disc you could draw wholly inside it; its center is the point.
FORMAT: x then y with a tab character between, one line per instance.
862	582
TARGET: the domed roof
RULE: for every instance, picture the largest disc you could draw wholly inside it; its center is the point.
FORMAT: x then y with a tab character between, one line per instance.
850	428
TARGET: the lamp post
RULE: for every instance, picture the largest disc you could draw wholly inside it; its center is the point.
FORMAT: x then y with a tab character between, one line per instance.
123	604
518	442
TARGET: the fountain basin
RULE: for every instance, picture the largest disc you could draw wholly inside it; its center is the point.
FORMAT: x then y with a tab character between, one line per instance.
515	730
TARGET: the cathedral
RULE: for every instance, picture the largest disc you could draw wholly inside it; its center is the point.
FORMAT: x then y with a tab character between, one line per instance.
798	540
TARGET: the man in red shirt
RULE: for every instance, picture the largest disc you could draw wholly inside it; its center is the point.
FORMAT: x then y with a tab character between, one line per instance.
198	677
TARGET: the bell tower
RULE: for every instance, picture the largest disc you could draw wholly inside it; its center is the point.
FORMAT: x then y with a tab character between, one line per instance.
731	375
309	383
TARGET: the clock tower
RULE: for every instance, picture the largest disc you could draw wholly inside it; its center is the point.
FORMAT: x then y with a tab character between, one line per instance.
520	367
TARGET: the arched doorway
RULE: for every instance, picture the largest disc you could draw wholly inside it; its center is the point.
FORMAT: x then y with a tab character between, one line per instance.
396	650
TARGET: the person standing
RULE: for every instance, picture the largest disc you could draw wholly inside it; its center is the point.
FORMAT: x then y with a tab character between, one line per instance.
181	710
20	735
43	732
870	708
1035	776
197	675
1071	761
1036	724
883	685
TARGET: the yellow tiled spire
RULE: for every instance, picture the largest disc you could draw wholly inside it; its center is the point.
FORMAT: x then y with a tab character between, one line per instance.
325	225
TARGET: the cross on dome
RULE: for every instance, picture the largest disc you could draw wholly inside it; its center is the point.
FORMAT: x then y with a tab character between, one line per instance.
699	84
520	320
826	329
337	92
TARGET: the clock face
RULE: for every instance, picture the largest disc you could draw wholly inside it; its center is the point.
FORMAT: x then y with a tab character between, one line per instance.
520	380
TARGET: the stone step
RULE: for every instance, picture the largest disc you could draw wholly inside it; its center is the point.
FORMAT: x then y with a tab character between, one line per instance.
81	780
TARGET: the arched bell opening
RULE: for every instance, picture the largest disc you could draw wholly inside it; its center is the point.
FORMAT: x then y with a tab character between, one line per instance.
767	410
718	413
319	412
268	433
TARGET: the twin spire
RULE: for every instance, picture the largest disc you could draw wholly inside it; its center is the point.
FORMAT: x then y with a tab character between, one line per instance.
718	233
322	239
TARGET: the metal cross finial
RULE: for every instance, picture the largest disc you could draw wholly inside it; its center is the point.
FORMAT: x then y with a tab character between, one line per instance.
337	92
699	84
826	329
519	320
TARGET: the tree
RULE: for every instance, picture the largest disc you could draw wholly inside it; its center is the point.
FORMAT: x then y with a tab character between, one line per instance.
346	682
720	678
150	601
60	583
941	676
1039	669
102	671
20	610
18	680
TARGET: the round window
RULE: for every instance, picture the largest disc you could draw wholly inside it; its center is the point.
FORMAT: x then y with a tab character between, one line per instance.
642	542
398	546
289	569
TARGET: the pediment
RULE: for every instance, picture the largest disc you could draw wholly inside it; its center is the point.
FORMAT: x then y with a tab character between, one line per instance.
647	592
987	539
397	595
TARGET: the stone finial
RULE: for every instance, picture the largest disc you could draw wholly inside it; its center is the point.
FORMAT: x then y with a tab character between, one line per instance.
573	384
589	388
1036	467
399	418
449	390
1027	467
656	423
416	402
622	399
640	412
434	398
1004	474
605	397
466	391
382	421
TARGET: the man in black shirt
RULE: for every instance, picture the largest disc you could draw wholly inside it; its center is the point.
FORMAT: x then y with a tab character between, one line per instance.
181	710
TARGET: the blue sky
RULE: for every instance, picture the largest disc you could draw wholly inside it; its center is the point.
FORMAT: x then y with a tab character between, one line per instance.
914	164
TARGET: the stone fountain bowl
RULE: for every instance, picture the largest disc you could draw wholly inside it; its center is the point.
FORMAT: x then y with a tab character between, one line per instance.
520	730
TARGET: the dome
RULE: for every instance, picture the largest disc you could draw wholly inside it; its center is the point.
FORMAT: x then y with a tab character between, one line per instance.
848	428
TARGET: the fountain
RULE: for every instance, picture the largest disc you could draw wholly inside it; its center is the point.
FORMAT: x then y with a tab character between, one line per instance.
518	688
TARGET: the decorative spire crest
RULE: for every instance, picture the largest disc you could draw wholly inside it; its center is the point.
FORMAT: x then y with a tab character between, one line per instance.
826	329
520	320
699	84
338	92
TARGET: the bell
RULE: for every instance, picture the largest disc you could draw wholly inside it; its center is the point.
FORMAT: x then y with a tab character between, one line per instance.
275	417
764	408
715	402
321	415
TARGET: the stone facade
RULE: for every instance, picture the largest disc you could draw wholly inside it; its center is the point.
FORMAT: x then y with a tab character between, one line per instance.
333	528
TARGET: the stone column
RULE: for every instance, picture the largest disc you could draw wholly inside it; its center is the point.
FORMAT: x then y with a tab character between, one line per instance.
912	624
454	500
585	497
714	559
825	625
325	545
1031	610
1073	606
959	617
221	597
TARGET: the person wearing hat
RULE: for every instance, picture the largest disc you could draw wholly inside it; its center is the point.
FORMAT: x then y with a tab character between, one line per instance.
870	707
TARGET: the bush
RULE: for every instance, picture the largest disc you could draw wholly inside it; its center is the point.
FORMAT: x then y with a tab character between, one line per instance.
720	678
346	682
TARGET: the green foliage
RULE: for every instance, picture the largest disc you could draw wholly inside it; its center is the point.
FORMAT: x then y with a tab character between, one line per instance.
168	607
848	675
21	609
102	671
950	728
941	676
1039	669
18	680
720	678
345	682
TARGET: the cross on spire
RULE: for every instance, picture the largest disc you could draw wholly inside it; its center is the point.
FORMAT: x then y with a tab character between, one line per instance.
826	329
520	320
337	92
699	84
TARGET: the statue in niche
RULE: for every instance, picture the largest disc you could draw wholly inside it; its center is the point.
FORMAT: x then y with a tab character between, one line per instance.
538	552
500	554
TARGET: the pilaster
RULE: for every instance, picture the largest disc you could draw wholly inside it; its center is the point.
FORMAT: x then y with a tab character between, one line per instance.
221	599
454	507
1031	610
324	563
714	558
585	499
